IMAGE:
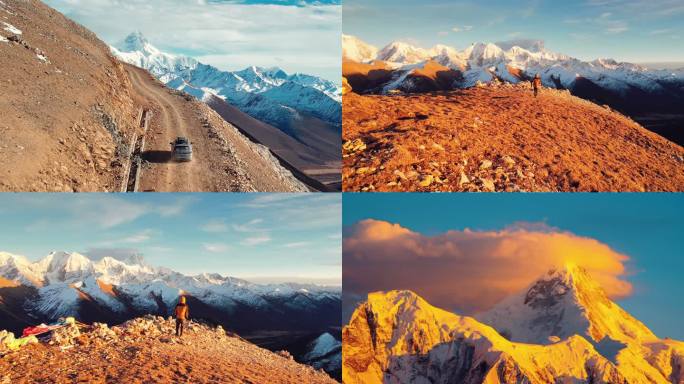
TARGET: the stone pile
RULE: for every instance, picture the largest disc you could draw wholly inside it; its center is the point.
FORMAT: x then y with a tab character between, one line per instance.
65	336
103	332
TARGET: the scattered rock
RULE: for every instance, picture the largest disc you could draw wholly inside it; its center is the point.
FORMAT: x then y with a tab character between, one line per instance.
463	180
487	185
400	174
426	181
65	336
508	161
353	146
285	354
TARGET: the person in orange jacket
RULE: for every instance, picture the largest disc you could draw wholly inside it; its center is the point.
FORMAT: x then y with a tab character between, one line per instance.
536	84
182	313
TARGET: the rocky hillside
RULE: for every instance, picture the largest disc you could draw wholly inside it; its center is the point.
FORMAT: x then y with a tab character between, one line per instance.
97	353
499	137
653	97
398	337
72	119
67	106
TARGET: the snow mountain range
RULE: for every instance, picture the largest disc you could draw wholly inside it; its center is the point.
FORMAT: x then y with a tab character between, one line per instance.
561	329
632	89
268	94
515	61
112	290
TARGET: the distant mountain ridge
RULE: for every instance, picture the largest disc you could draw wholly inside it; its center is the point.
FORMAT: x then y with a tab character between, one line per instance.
642	93
70	284
398	337
268	94
488	61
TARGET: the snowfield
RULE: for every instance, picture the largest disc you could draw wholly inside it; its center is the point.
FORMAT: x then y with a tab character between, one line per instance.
11	28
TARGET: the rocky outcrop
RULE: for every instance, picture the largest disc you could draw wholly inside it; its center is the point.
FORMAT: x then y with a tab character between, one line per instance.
204	354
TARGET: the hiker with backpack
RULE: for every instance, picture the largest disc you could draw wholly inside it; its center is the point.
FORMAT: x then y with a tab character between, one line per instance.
182	313
536	84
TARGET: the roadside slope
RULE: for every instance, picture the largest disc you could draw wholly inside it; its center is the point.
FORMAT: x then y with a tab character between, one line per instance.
313	163
65	118
501	138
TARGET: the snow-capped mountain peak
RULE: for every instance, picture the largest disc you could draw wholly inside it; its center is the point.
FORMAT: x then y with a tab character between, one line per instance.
136	41
247	89
356	50
564	302
398	337
401	52
63	266
137	50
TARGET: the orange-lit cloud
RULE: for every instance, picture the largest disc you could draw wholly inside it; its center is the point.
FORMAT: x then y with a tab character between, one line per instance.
470	270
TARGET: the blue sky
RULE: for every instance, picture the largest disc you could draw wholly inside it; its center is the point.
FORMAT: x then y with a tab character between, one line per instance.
627	30
260	237
646	227
296	35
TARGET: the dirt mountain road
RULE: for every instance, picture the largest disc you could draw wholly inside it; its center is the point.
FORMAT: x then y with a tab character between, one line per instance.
223	159
168	123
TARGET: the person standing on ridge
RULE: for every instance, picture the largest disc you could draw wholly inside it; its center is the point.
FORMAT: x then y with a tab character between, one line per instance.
182	314
536	84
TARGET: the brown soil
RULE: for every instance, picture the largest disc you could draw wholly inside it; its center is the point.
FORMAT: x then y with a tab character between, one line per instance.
54	115
153	355
66	122
223	159
501	138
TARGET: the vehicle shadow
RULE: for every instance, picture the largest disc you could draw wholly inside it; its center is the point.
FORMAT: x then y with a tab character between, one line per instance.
158	156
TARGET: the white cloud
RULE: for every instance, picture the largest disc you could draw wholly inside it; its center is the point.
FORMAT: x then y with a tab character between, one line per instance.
464	28
606	22
228	35
256	240
660	32
175	208
641	8
270	200
139	237
250	226
215	226
99	210
215	247
297	244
